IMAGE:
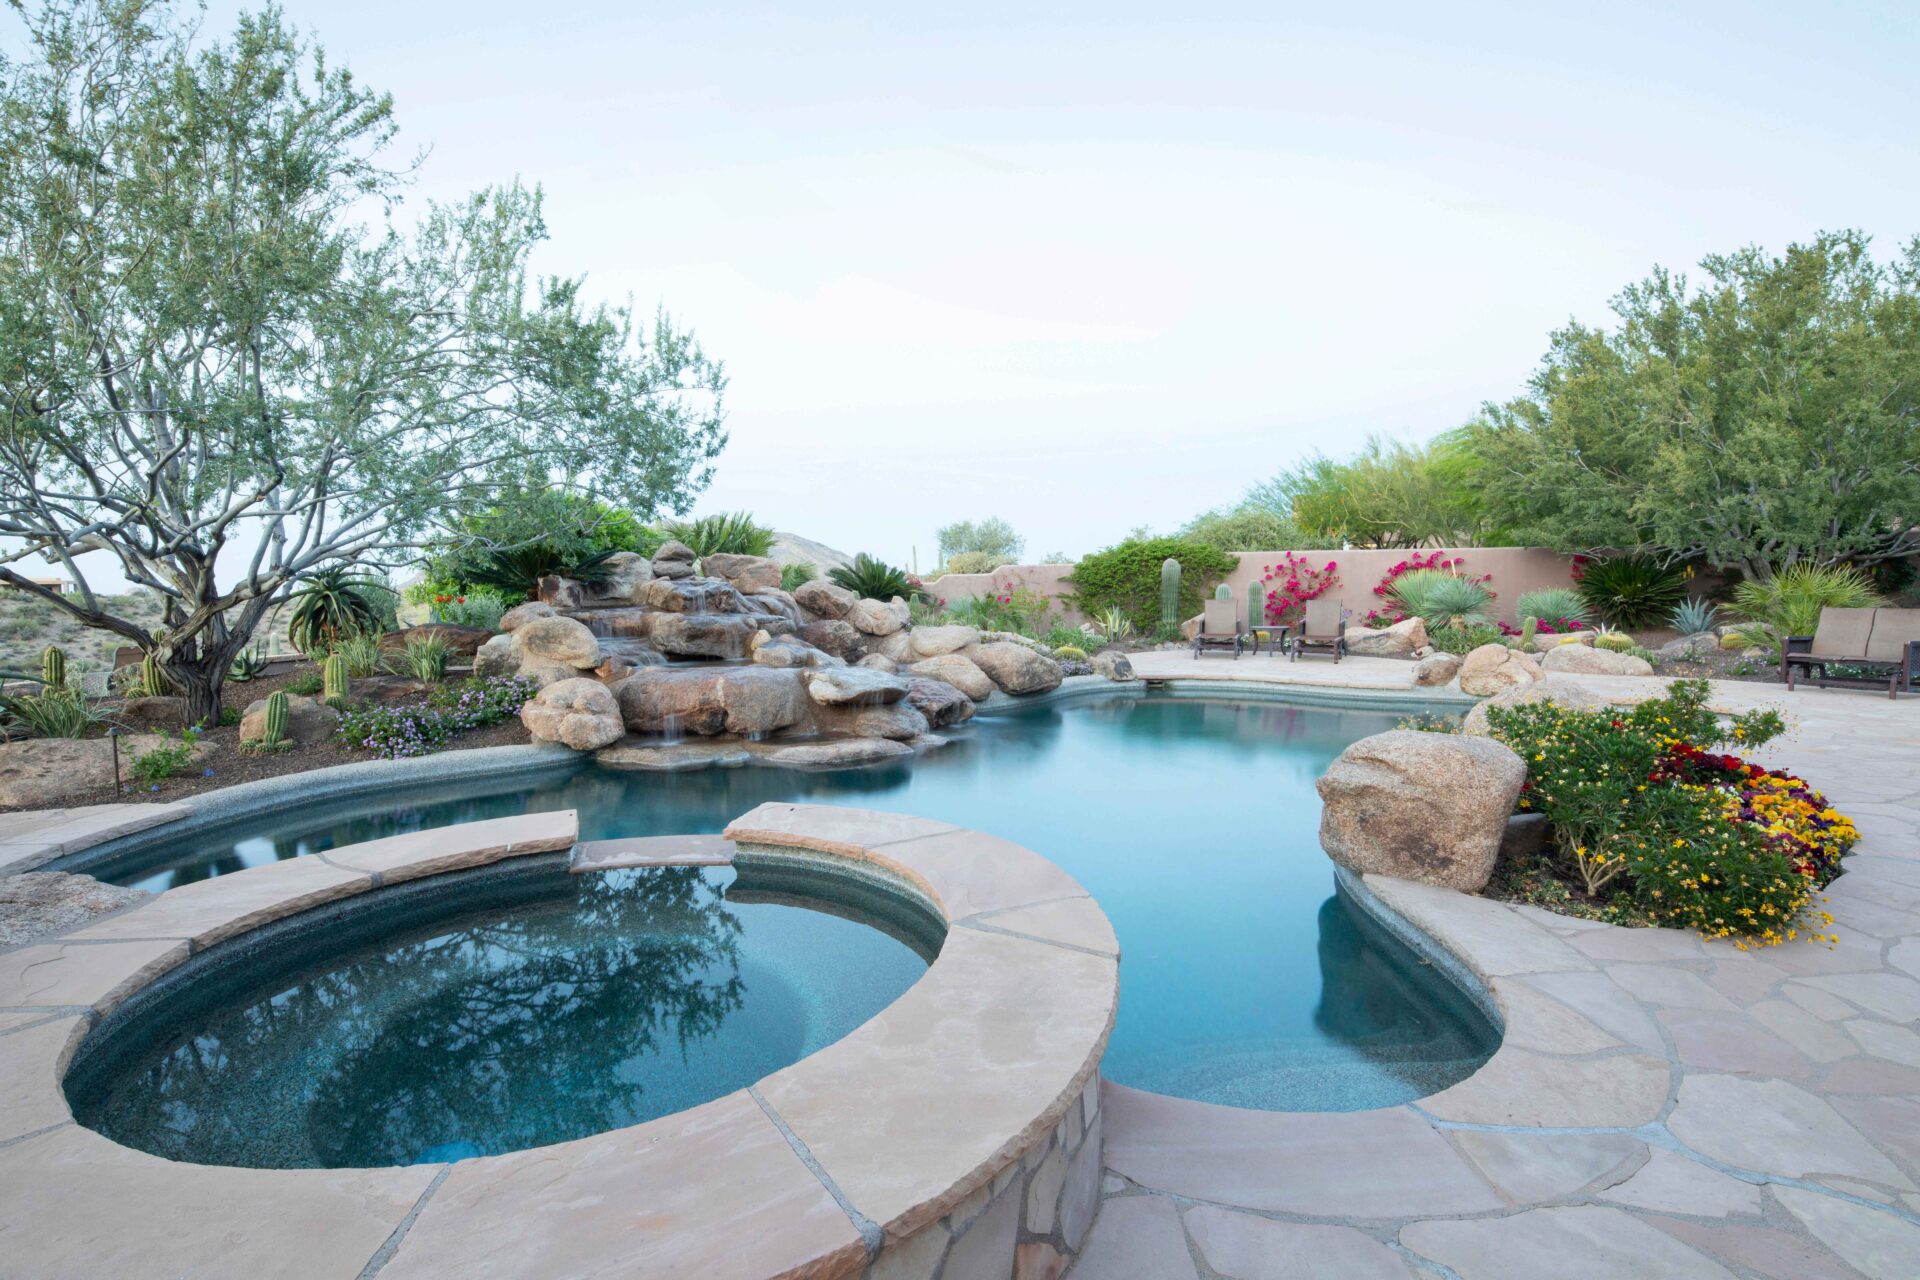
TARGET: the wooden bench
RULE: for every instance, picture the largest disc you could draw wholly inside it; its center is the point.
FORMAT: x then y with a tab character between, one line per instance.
1885	641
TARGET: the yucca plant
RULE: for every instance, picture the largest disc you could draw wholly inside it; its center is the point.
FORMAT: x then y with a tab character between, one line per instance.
1789	603
361	652
1693	615
1443	599
426	658
1553	604
725	533
1632	591
874	579
330	605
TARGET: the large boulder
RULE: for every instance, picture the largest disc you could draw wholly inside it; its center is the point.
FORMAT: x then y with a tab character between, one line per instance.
521	614
789	651
1396	641
1420	806
1562	693
693	595
711	700
858	686
495	657
1586	660
898	646
823	599
159	714
835	637
309	720
747	574
958	671
900	721
387	690
702	635
1015	668
1494	668
1436	668
837	754
932	642
626	572
778	602
39	772
461	641
578	713
938	701
1112	664
878	618
34	904
561	593
562	641
673	560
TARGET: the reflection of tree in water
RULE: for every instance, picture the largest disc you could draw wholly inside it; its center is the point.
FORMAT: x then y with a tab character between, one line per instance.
495	1034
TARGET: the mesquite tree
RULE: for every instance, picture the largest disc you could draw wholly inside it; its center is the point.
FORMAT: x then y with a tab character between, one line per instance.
226	364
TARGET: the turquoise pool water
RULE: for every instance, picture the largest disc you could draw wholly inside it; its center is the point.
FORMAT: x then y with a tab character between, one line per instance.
1245	979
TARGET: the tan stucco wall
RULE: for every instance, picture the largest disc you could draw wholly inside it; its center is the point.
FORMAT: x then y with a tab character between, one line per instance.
1514	569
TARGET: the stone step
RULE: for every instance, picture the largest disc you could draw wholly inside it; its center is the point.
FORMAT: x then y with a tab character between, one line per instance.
651	851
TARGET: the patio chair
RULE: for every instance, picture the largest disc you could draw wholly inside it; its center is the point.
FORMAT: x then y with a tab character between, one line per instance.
1323	630
1883	642
1219	628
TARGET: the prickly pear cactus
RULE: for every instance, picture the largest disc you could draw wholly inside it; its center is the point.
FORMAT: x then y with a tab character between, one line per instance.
275	730
53	667
333	676
1170	592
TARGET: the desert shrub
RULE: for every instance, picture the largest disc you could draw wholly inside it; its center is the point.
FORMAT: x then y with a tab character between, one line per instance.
795	576
976	562
533	530
1631	591
1444	599
1295	580
874	579
1127	577
1008	608
420	727
1461	640
53	713
990	543
1789	603
1252	528
153	767
306	684
1554	605
1429	722
476	607
1692	616
1060	634
724	533
1388	611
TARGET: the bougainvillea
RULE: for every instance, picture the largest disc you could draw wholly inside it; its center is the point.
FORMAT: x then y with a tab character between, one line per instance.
1385	615
1296	580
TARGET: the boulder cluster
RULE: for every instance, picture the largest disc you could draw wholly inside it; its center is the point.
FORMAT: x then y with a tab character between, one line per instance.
675	648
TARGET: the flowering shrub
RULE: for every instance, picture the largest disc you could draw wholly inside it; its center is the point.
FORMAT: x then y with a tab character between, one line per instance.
1390	611
1299	581
1654	824
417	728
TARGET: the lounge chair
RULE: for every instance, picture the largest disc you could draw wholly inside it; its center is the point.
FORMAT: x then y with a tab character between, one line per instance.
1219	628
1323	630
1886	642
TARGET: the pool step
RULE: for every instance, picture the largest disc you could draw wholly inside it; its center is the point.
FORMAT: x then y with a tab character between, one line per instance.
651	851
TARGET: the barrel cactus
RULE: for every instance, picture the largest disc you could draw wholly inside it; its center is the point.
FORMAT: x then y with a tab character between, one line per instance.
153	678
1170	593
274	731
333	676
53	667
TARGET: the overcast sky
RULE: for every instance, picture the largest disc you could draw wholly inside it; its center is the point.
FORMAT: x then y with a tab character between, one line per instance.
1093	270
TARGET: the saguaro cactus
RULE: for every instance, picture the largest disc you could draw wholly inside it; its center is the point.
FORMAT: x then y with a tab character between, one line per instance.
1223	592
333	676
153	678
1170	592
1256	604
274	732
53	667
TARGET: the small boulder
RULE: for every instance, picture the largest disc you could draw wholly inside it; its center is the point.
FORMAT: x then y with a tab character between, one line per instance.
900	721
747	574
495	657
1586	660
1562	693
938	701
958	671
862	686
823	599
790	651
875	618
834	755
386	691
1015	668
1494	668
878	662
309	720
626	572
578	713
1396	641
932	642
154	715
673	560
835	637
544	673
557	640
1436	668
521	614
898	646
702	635
1420	806
1112	664
1697	645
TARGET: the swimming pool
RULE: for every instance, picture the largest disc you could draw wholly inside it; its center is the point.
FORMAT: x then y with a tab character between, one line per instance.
1245	978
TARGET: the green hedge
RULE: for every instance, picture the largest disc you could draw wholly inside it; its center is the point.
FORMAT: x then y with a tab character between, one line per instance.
1128	577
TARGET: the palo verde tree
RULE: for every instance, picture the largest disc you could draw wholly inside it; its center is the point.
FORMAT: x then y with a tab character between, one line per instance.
226	364
1768	415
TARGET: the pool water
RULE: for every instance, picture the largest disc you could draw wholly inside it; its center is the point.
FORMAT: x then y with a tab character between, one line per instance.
498	1011
1245	979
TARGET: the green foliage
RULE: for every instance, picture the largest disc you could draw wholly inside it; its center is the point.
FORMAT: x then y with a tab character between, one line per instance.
151	768
426	658
330	605
1388	495
1632	591
1060	635
874	579
1114	624
532	530
725	533
245	667
421	727
1017	609
482	607
988	543
795	576
306	684
1767	413
1429	722
1461	640
274	731
1693	615
1553	604
1445	600
53	667
1789	602
333	676
1127	578
230	716
1251	528
52	713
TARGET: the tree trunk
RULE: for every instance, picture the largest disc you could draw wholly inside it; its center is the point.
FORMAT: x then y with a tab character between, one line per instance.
198	684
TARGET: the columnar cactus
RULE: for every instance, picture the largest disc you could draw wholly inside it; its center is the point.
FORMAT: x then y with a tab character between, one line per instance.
1223	592
153	678
1256	604
53	667
1528	626
274	732
333	676
1170	592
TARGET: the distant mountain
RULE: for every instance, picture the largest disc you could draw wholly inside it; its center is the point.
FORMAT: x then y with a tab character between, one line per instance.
791	548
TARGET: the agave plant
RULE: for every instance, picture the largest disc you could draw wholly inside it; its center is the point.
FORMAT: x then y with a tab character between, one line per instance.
330	605
1443	599
1789	603
1693	615
1633	591
874	579
1114	624
727	533
1551	604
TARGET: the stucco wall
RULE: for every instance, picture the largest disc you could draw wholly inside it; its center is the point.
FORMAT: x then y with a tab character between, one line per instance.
1514	569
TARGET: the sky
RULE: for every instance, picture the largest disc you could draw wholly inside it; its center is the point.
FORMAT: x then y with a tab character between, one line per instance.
1090	269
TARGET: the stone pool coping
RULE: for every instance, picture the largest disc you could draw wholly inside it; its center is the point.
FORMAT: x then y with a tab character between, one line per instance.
958	1124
